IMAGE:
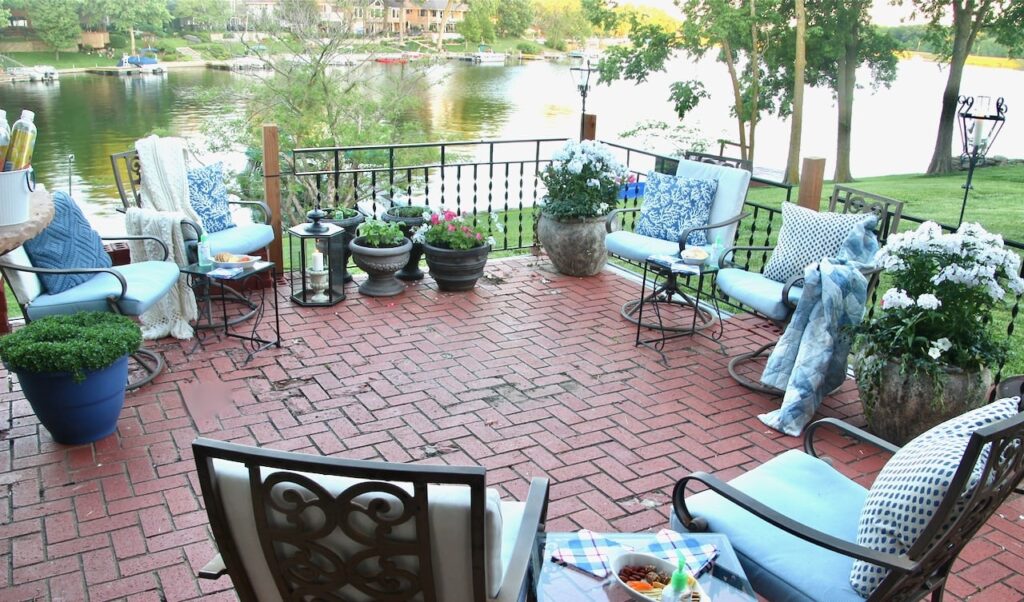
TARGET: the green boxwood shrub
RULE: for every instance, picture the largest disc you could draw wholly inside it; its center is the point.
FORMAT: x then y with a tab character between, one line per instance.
529	48
408	211
118	41
74	343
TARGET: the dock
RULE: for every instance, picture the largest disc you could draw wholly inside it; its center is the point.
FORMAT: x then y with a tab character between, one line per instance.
116	71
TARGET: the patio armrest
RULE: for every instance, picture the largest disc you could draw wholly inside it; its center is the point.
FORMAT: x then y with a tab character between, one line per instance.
847	429
214	569
795	280
263	208
725	262
35	270
685	234
534	518
614	216
140	237
187	224
814	536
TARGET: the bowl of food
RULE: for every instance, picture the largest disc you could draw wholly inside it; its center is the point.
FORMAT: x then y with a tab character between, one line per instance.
694	256
230	260
645	576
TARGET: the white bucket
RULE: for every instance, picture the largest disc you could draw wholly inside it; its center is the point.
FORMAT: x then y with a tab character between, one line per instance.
15	191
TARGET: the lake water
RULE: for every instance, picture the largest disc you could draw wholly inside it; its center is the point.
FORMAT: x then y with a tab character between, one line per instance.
93	116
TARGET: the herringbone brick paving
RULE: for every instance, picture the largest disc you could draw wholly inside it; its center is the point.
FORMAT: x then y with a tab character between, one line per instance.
532	374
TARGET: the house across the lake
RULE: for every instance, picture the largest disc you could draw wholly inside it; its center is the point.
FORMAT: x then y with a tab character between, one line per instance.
379	16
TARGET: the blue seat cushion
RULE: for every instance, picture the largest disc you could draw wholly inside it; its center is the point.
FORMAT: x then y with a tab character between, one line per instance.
780	566
757	292
636	247
148	282
209	197
673	204
241	240
68	242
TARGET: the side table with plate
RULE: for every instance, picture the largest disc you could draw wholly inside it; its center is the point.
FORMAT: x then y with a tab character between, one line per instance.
554	582
663	272
237	272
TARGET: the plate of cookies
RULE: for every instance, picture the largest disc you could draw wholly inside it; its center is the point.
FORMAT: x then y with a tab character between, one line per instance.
230	260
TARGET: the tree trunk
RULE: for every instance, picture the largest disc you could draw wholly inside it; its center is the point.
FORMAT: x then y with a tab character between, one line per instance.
730	63
963	39
755	88
847	85
131	34
797	118
446	14
401	24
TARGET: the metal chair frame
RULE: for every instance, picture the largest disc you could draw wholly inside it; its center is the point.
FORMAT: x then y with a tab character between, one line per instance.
923	570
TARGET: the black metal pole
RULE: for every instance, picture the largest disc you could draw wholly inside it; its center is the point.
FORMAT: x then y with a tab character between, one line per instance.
967	187
583	116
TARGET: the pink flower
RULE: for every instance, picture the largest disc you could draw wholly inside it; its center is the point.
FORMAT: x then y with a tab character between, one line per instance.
451	227
465	228
449	216
631	178
435	218
479	236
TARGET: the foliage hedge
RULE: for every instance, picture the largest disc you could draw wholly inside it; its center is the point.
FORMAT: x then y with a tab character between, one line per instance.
74	343
118	41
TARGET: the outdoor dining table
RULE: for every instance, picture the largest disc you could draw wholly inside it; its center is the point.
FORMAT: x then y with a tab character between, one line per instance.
11	237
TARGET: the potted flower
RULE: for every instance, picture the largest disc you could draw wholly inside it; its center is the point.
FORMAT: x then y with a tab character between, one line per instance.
456	248
408	218
349	219
583	182
380	250
73	370
927	353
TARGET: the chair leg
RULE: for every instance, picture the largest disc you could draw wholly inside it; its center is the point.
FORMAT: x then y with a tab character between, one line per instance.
739	360
151	362
666	294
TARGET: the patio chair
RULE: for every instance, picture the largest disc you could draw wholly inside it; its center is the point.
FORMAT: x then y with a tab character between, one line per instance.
804	531
66	270
774	291
722	218
242	239
292	525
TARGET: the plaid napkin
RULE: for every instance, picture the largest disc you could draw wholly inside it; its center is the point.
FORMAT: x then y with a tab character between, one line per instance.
589	552
698	557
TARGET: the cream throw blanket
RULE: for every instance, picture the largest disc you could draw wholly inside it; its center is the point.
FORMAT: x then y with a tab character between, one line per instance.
164	204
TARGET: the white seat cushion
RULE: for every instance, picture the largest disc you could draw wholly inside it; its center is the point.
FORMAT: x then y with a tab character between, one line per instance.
757	292
449	517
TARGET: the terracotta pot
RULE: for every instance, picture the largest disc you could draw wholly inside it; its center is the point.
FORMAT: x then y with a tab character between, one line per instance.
456	269
575	245
380	264
906	405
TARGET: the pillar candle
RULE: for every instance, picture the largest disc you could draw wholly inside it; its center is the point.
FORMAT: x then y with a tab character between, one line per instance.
318	261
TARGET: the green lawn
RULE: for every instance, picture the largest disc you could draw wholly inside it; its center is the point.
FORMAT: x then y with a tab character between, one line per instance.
67	60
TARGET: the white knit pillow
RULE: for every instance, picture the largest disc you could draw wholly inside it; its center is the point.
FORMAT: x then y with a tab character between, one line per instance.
806	237
913	483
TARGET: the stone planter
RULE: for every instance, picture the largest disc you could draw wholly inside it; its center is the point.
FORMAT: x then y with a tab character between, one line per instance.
411	270
380	264
906	405
575	246
340	253
455	269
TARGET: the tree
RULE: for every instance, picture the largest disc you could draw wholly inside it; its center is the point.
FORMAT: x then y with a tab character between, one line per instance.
446	16
5	14
797	115
970	18
841	38
478	24
126	16
514	17
202	14
561	21
56	23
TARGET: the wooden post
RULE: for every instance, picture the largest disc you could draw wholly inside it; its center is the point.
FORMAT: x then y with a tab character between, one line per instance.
272	192
589	126
812	177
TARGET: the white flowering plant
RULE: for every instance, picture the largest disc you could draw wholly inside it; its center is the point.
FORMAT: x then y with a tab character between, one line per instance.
583	180
938	312
448	230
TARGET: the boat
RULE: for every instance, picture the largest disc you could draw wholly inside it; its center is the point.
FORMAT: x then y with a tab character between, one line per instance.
485	55
391	59
146	61
45	73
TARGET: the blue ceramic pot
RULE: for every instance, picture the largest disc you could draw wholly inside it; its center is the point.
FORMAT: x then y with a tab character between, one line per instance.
77	412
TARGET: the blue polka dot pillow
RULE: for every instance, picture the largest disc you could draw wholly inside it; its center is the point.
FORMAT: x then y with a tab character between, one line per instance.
209	197
912	484
673	204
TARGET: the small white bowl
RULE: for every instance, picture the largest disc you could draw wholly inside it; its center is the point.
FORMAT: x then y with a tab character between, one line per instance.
636	558
248	263
698	260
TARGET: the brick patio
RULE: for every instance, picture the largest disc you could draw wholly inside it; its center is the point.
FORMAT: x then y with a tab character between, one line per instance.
533	374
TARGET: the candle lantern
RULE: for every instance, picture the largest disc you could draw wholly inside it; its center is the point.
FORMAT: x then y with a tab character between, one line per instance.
980	124
315	279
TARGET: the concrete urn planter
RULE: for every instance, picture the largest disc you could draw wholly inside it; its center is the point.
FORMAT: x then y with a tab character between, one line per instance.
903	406
380	264
575	245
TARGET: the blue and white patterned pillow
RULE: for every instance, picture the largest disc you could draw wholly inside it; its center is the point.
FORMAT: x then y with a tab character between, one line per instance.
912	484
209	197
68	242
673	204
